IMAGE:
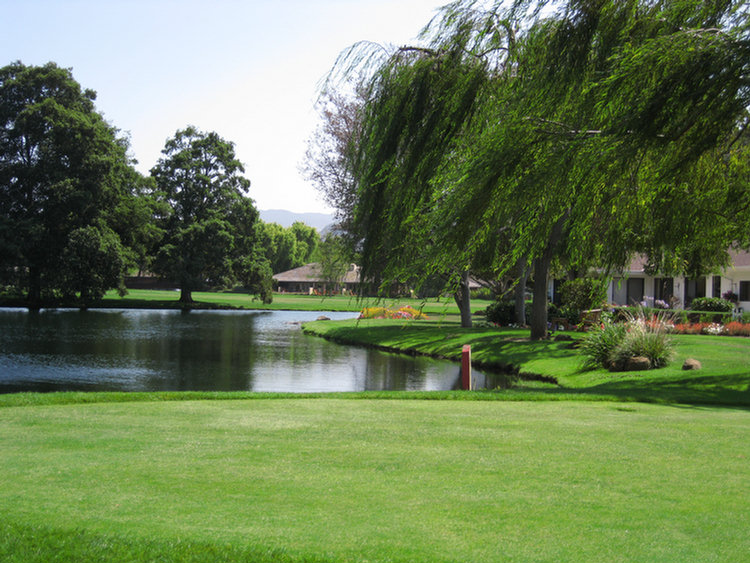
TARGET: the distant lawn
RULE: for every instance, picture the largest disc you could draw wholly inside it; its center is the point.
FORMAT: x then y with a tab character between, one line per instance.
333	480
281	301
723	379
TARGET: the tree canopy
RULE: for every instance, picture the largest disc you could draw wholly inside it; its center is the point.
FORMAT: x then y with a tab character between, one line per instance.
292	247
211	225
576	131
63	171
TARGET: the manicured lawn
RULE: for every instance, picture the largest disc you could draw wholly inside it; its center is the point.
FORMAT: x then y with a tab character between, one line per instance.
281	301
584	469
353	480
723	379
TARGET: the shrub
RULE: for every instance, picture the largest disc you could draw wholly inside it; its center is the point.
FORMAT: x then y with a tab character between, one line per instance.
482	293
611	345
714	304
730	296
599	344
501	312
581	294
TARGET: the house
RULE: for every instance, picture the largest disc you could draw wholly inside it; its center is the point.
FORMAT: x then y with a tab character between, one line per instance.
310	280
635	286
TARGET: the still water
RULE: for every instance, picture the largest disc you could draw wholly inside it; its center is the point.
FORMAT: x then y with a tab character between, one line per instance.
130	350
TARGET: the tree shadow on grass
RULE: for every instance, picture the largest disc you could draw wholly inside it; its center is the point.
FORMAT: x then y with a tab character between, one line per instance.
730	390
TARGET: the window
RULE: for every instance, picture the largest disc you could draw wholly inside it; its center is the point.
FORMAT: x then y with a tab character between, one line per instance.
663	289
716	289
745	291
694	288
635	290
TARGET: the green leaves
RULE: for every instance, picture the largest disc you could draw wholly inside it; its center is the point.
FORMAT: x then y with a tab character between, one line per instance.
60	178
210	224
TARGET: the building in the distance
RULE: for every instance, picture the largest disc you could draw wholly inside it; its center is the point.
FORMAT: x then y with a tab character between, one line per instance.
634	285
309	279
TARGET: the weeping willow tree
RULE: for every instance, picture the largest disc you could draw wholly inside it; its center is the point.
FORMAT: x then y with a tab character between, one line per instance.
418	101
577	130
599	144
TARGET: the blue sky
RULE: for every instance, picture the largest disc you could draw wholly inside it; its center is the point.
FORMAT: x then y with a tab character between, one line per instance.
249	70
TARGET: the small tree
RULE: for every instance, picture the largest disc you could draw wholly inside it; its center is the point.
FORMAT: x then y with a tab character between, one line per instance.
209	215
92	262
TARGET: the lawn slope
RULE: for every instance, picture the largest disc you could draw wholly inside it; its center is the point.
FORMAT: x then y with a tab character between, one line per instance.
723	379
339	480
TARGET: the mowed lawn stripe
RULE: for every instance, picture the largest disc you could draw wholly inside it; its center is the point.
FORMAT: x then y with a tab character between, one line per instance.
389	480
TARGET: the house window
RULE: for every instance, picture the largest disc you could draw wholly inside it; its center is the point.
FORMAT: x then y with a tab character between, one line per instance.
694	288
635	290
745	291
663	289
716	286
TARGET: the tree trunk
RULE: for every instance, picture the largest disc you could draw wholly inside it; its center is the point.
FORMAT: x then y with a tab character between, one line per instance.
34	296
539	305
463	300
186	294
522	271
541	279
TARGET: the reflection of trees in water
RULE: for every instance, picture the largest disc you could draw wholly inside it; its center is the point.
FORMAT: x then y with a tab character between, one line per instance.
169	350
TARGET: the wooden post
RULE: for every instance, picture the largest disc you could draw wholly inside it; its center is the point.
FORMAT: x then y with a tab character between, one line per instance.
466	367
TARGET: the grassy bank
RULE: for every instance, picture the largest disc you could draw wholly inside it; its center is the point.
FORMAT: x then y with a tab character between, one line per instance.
148	299
723	379
336	480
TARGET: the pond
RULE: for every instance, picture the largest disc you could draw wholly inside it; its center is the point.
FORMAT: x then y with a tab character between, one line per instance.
157	350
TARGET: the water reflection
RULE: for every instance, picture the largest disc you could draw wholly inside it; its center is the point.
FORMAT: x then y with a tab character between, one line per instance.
131	350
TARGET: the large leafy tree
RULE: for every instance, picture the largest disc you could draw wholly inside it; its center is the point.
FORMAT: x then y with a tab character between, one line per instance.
211	225
578	133
594	142
418	102
62	171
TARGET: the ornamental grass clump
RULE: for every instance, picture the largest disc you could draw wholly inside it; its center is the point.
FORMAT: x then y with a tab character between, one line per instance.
600	343
618	346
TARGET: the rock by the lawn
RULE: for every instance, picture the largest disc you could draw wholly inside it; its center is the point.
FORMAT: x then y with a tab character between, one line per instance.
691	363
322	318
637	363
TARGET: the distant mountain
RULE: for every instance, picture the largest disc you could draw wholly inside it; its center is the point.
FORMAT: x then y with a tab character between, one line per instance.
286	218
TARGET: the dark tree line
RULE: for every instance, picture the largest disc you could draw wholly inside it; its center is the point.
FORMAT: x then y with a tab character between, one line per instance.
75	215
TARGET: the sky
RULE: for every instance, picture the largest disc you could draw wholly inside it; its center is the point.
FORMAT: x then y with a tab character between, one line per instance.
250	70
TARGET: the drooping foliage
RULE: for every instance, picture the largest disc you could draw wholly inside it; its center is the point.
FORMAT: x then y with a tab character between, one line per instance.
577	131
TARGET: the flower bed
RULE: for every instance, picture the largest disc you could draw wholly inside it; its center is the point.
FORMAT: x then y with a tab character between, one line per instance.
407	313
734	328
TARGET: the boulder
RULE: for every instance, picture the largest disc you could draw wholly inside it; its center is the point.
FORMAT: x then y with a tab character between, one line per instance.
562	338
637	363
691	364
322	318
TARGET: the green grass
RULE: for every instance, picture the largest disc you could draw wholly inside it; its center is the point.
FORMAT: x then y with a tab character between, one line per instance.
281	301
338	480
588	471
723	379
